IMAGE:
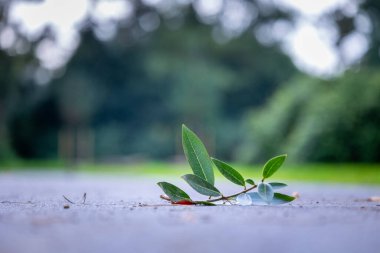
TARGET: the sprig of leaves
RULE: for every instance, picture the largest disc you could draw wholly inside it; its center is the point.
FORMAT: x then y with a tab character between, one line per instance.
202	181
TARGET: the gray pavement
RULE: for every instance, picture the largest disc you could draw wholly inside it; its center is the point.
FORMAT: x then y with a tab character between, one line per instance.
124	214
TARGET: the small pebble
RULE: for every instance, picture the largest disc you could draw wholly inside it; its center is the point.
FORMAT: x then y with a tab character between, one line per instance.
374	199
66	206
296	195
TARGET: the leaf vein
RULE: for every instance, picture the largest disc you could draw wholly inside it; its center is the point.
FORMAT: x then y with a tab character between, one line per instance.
196	155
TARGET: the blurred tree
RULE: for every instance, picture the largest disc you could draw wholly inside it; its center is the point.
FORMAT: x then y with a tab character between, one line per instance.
372	9
316	120
6	94
15	65
170	63
133	95
360	24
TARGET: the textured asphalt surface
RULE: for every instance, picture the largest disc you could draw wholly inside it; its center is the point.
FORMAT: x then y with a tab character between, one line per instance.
124	214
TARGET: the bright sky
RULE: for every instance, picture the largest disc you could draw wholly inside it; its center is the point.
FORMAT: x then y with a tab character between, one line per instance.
310	44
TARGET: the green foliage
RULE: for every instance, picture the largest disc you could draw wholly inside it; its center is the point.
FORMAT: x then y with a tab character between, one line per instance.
273	165
265	191
201	185
229	172
174	193
197	154
108	87
324	173
318	120
204	203
278	199
276	185
135	90
250	181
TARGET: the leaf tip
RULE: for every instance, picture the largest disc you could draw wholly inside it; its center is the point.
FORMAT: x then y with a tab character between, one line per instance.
184	177
283	156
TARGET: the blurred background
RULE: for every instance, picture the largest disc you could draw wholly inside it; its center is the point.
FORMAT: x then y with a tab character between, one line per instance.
111	81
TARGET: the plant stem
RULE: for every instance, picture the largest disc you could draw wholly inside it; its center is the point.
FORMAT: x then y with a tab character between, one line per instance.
215	200
231	196
165	198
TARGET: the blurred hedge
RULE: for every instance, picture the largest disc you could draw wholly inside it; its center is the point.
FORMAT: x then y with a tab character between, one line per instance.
318	120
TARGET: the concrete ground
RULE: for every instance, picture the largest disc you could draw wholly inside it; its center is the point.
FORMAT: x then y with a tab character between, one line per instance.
124	214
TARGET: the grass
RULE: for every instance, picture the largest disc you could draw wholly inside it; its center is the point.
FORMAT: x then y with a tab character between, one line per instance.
18	164
341	173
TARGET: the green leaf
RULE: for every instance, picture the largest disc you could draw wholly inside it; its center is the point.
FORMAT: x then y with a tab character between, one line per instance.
173	192
256	199
278	199
250	181
273	165
265	191
204	203
197	156
229	172
202	186
276	185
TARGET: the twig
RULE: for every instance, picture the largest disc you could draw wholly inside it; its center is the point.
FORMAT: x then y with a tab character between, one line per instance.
68	200
16	202
231	196
165	198
84	198
225	198
72	202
